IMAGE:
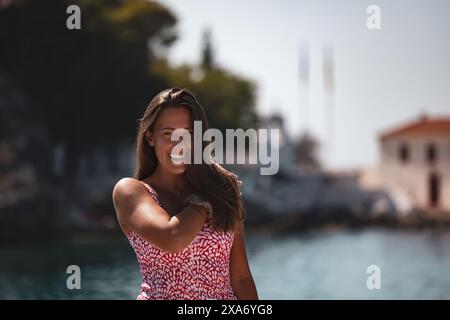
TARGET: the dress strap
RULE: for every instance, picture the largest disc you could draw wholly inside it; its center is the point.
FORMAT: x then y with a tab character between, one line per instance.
151	191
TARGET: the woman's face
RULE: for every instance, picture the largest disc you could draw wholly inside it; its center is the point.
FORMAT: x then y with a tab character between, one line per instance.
169	119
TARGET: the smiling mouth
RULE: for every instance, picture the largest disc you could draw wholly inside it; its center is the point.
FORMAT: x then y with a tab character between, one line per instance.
177	159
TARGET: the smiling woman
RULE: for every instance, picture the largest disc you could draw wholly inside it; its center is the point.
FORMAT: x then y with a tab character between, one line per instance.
184	221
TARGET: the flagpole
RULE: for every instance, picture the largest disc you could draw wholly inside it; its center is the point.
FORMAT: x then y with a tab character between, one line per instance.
304	82
328	78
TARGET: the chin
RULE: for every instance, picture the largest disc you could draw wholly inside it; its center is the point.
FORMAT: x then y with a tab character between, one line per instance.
177	169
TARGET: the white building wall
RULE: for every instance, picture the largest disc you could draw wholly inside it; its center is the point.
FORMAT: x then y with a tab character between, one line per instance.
409	181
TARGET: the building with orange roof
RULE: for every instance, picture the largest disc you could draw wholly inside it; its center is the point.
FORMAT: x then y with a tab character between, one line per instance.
415	163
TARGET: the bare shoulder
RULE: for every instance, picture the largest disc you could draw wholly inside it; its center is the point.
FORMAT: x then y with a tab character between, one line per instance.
125	187
128	196
128	192
126	183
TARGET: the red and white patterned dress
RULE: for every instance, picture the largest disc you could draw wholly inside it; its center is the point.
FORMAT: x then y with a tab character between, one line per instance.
198	272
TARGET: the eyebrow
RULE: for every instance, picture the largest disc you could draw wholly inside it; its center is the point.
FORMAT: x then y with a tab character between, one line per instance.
169	128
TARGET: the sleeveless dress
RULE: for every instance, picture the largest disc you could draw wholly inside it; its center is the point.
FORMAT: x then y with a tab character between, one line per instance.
198	272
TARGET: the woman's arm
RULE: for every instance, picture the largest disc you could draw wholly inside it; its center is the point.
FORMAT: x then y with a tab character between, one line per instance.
241	277
139	212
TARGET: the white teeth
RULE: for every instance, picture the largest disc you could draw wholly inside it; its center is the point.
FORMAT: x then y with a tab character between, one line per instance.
177	157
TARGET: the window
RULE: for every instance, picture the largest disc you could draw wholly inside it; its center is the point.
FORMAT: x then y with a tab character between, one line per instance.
403	153
431	153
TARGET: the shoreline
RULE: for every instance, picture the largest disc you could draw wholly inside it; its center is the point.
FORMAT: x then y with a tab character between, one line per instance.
289	225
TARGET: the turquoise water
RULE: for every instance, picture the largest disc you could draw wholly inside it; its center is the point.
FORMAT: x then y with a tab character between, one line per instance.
315	265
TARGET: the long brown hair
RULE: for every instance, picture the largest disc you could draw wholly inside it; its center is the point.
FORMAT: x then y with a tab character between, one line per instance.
212	181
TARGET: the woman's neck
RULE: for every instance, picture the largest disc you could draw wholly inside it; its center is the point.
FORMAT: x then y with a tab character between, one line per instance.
174	183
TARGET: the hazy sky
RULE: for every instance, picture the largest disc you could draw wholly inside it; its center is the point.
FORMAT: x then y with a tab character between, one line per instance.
382	77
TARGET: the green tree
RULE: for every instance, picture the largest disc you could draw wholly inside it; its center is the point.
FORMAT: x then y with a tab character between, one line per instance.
228	98
87	86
